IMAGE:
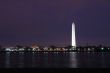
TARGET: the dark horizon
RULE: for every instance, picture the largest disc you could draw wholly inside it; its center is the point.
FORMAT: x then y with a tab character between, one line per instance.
46	22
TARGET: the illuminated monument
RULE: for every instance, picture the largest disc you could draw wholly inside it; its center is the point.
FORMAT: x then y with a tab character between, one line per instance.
73	35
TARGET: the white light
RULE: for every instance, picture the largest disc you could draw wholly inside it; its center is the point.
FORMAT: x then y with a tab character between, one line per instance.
73	35
8	49
21	49
89	49
102	48
45	48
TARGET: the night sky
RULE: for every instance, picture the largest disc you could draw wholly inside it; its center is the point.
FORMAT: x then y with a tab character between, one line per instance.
48	22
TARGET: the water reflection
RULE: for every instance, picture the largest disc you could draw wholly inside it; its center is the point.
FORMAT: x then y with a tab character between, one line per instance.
73	60
33	59
55	60
7	61
103	60
21	59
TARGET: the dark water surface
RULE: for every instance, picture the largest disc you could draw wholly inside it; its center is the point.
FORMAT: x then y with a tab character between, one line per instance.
55	60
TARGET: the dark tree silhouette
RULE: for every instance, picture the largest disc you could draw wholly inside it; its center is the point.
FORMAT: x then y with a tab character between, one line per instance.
19	46
52	46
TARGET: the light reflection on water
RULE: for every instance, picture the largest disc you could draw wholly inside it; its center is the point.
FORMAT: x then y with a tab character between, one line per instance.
7	61
39	60
21	59
73	60
103	60
33	59
54	60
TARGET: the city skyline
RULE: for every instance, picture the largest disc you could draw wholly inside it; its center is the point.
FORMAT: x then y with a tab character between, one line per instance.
27	22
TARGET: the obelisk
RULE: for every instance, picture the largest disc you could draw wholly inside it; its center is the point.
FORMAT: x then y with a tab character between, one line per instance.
73	35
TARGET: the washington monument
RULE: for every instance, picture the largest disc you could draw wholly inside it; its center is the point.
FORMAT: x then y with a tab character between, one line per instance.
73	35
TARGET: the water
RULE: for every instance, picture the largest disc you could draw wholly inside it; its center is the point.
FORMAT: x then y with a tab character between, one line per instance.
55	60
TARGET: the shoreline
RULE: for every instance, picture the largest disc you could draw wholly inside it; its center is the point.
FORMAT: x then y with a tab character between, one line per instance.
53	51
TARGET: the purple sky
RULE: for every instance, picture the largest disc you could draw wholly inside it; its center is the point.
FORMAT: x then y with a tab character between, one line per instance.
48	22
